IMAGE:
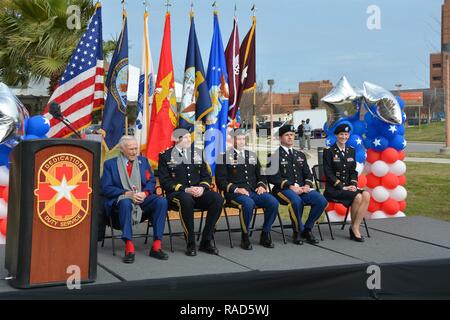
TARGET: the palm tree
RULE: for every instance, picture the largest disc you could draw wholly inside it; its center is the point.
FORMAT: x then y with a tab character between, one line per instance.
36	42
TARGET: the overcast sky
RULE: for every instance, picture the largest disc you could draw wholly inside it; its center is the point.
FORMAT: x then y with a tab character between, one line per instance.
301	40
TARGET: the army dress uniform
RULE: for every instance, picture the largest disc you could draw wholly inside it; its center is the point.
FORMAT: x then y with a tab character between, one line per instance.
340	170
179	170
241	169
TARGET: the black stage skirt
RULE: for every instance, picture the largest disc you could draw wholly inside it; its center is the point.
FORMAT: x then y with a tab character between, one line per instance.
345	197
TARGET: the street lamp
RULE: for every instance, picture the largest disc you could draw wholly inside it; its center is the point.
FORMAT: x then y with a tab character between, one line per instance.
271	82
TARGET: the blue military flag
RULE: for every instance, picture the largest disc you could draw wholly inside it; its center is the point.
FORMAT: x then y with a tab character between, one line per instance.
113	123
195	102
217	80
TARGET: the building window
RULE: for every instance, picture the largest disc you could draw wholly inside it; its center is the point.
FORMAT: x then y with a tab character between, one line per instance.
437	65
437	78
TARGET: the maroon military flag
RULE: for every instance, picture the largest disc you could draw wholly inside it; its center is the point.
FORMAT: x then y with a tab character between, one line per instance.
232	59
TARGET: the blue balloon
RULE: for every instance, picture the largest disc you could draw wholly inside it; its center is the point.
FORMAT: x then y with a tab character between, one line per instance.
398	142
325	127
372	131
360	155
403	118
368	142
355	141
4	155
400	102
330	140
379	143
390	130
37	126
30	137
359	127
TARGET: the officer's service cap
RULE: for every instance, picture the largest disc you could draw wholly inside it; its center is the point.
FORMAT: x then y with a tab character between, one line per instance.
342	128
286	128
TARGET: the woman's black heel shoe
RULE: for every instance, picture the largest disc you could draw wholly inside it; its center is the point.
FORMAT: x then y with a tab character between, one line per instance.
355	238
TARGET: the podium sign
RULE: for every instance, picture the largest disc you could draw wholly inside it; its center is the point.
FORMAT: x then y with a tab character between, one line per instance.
52	225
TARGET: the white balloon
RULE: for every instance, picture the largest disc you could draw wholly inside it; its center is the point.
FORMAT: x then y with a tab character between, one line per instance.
398	168
334	217
378	215
2	239
399	215
380	194
4	176
367	168
3	209
359	167
380	168
399	193
369	190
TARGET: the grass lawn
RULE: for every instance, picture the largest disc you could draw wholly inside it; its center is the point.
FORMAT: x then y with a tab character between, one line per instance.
427	155
434	132
428	186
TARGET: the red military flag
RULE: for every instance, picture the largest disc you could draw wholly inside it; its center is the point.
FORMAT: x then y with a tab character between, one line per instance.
247	62
164	111
232	59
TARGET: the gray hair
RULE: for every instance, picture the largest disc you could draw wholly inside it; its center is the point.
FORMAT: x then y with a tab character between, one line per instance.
125	139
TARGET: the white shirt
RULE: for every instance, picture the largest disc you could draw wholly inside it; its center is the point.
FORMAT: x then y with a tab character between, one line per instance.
287	149
307	128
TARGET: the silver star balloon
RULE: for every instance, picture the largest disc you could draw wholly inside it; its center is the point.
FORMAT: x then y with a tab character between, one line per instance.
12	115
341	101
382	104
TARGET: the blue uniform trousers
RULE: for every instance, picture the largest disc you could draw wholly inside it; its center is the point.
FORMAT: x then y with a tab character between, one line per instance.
248	203
153	207
296	204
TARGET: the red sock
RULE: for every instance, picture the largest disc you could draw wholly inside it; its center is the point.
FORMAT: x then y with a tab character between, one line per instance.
129	247
156	245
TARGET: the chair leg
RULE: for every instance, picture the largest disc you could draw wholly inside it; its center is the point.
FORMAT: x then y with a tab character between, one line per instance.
345	220
112	236
282	228
228	226
200	227
103	241
170	233
320	232
367	228
329	225
253	222
148	228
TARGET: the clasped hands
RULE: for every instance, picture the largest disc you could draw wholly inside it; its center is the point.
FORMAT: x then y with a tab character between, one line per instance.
136	197
243	191
299	190
196	192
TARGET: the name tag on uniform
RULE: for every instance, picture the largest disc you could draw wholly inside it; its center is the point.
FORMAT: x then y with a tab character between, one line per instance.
350	160
252	160
299	159
284	163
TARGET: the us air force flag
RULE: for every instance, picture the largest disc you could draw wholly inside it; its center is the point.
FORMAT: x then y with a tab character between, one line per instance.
217	80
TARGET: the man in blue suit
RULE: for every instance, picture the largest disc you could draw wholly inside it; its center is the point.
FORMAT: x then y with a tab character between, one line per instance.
128	185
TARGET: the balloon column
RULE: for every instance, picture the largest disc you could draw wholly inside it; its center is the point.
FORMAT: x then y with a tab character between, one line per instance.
14	126
385	143
381	169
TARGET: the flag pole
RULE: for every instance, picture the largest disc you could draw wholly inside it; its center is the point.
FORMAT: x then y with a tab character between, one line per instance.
253	9
126	113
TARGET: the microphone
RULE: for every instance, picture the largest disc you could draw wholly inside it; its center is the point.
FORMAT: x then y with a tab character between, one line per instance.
55	110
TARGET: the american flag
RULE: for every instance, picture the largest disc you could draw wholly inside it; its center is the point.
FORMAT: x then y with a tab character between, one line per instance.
80	89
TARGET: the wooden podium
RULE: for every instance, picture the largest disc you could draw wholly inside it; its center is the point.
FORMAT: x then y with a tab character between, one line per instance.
52	225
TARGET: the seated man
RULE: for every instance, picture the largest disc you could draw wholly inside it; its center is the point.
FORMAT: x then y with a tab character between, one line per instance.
128	186
239	176
293	185
185	178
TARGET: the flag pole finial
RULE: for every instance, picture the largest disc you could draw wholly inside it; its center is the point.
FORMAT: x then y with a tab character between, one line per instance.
168	4
253	9
146	5
191	13
235	8
214	5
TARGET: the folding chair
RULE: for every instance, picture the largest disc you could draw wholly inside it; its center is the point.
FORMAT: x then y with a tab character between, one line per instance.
319	178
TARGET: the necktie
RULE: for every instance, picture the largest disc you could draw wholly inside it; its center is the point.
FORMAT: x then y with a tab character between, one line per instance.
291	154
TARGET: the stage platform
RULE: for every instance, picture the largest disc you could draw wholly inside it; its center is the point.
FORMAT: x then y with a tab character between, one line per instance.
413	255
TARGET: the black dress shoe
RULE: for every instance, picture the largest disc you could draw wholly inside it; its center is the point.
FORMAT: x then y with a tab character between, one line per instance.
245	242
206	246
159	254
308	235
296	238
129	258
266	240
355	238
191	250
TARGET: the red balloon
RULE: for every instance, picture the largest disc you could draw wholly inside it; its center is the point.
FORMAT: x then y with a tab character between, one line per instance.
2	189
3	227
373	181
5	194
402	205
340	209
390	181
373	156
390	207
373	205
402	180
401	155
389	155
362	181
330	206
